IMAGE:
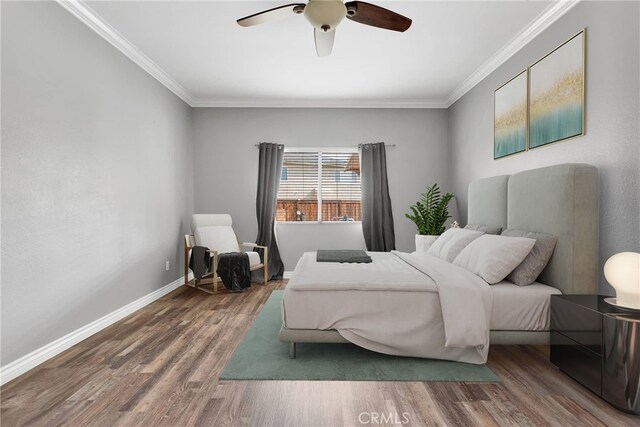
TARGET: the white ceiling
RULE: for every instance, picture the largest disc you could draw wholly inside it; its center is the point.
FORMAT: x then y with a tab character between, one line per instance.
200	50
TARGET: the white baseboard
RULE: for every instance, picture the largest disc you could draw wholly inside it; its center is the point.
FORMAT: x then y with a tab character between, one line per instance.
25	363
287	274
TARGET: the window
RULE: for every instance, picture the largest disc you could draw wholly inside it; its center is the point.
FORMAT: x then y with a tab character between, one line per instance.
348	176
319	186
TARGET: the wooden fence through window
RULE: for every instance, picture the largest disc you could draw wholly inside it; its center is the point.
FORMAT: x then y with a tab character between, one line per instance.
332	210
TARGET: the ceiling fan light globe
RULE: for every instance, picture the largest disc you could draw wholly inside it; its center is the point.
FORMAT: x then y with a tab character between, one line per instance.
325	13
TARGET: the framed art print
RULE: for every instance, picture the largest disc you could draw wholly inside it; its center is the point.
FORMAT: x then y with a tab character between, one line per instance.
556	94
510	117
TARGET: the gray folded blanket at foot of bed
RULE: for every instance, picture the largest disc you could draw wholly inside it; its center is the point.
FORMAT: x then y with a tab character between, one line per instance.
343	255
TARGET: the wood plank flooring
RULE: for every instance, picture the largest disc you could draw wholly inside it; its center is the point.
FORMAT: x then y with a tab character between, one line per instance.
160	366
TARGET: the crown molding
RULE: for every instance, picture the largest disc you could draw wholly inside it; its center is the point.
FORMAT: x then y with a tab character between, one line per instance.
84	13
319	103
90	18
550	15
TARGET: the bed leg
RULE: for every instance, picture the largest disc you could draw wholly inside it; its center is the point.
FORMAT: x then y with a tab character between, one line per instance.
292	350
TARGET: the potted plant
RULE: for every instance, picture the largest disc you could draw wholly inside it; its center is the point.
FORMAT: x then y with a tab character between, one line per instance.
430	214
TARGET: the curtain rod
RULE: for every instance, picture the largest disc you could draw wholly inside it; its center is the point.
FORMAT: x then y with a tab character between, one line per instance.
359	145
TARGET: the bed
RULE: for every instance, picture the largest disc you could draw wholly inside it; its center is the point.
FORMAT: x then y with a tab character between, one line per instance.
393	305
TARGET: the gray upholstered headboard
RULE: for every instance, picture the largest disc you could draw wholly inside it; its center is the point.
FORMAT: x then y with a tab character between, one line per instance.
561	200
488	201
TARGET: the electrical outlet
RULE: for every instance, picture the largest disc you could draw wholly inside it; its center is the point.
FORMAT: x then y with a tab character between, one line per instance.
167	266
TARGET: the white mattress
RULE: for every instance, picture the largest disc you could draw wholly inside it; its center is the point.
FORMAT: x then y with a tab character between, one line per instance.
521	308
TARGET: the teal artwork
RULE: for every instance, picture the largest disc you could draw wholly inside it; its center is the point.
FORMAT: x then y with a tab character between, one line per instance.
511	142
556	109
510	119
555	125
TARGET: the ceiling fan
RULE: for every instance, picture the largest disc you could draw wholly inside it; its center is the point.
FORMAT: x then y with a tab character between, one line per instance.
325	15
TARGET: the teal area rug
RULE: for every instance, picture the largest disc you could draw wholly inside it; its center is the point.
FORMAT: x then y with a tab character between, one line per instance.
261	356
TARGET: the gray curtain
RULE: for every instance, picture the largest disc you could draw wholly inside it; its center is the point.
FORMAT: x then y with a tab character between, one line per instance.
269	170
377	217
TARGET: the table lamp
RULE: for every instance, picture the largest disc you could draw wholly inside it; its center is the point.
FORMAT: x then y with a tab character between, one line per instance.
622	271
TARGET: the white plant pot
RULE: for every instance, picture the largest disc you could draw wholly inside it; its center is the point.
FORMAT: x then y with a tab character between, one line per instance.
424	242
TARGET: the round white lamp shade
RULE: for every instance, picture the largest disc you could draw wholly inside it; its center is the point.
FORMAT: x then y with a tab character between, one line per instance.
325	15
622	271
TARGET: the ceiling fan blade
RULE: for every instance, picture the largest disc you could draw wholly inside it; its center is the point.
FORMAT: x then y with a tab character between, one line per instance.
272	14
324	41
376	16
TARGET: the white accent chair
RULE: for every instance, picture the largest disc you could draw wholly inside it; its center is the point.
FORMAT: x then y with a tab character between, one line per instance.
215	232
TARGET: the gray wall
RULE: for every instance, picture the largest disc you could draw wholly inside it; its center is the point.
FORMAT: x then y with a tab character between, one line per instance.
96	178
98	165
612	140
226	163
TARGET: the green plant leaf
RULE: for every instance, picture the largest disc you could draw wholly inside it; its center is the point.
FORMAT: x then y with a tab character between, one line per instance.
430	213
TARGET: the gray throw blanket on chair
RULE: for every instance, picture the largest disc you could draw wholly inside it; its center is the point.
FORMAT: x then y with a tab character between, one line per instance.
200	261
234	270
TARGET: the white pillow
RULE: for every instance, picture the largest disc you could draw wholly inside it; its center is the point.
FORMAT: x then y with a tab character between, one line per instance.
219	238
451	242
494	257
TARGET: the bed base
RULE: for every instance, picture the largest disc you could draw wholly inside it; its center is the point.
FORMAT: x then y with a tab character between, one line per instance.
331	336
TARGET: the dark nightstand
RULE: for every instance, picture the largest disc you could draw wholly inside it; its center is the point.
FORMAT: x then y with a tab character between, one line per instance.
598	345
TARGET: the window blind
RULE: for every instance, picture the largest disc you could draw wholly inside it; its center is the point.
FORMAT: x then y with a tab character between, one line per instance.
340	184
319	186
298	192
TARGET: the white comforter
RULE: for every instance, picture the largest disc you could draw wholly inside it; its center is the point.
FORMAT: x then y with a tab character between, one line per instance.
404	304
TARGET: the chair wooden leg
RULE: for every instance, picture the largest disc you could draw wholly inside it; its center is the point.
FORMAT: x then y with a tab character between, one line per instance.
186	266
215	274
